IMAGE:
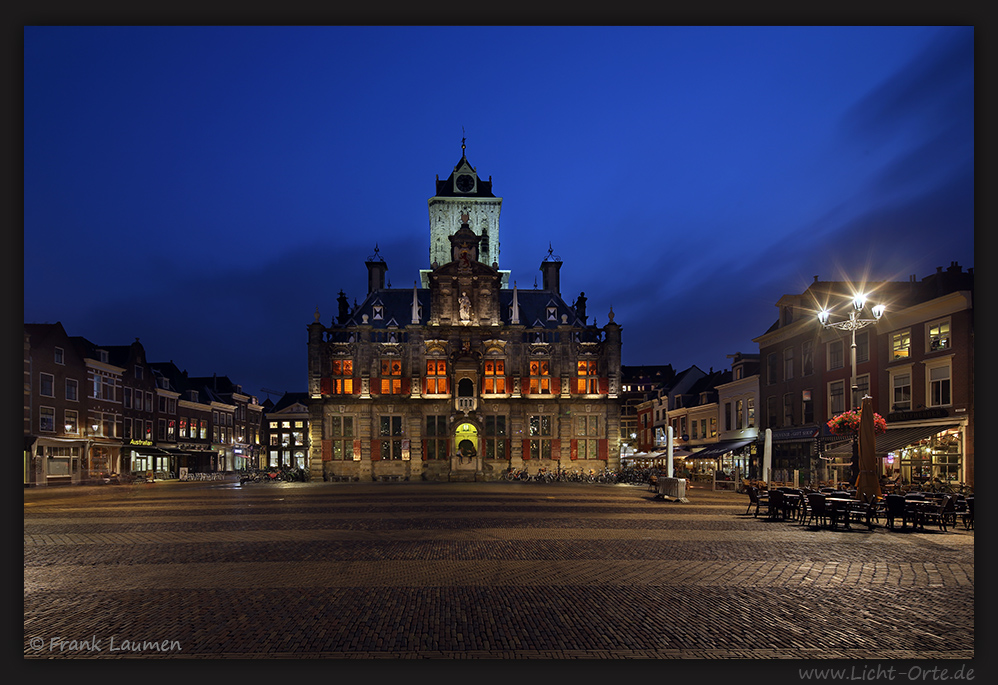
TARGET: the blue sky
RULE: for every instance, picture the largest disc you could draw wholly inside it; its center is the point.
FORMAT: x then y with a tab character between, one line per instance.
206	188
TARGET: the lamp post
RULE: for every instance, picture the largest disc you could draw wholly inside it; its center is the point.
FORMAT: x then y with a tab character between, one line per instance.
854	323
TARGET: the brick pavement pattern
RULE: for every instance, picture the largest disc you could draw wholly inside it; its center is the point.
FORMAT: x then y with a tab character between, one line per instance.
475	571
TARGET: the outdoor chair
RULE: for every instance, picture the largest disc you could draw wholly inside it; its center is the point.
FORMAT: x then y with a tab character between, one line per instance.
967	513
940	513
777	505
756	498
894	508
817	509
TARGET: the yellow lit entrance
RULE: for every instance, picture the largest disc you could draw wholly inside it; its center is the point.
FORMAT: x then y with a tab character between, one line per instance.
466	441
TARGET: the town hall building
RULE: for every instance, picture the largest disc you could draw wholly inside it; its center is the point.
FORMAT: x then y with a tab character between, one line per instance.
462	377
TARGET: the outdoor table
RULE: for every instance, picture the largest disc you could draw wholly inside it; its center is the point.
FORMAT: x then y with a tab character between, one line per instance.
918	507
794	501
848	508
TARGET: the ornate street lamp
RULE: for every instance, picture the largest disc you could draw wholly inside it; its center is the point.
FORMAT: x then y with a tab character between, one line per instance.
854	323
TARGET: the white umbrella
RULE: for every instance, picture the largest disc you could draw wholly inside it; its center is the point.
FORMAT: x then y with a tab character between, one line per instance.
668	462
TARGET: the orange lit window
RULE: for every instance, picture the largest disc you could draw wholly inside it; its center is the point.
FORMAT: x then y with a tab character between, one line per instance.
540	378
391	377
586	382
341	381
495	377
436	376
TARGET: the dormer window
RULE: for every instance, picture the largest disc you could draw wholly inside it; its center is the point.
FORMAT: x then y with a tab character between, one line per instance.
379	312
552	313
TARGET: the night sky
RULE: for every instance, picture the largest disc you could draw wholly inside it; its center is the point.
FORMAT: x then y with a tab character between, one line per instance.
204	189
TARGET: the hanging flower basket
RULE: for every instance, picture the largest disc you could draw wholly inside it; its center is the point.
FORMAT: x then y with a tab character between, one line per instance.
847	423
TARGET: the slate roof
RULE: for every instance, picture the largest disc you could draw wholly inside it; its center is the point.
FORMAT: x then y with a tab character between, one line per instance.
445	187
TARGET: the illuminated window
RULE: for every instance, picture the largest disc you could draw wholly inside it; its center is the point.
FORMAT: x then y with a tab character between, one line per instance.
391	377
587	436
586	382
341	381
495	377
495	437
739	414
540	436
836	398
713	427
436	437
46	419
436	377
901	344
540	378
183	428
938	336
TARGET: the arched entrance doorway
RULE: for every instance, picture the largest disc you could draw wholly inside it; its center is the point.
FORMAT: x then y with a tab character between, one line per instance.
466	450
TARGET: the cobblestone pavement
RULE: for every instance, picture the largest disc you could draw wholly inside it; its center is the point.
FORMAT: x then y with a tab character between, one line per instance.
475	571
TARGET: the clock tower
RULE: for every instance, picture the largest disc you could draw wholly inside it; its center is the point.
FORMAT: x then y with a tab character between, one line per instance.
464	193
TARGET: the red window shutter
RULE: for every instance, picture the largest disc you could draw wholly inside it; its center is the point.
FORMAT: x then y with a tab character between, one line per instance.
324	385
375	450
526	449
603	448
424	449
356	448
556	449
423	383
327	450
573	449
406	386
555	386
604	386
356	386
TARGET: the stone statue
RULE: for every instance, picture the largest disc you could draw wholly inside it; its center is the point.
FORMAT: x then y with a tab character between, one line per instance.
464	304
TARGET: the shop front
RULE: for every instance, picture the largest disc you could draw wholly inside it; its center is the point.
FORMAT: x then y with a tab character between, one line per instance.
794	455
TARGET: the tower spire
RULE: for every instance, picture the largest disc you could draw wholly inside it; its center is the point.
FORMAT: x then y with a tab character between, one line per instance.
463	138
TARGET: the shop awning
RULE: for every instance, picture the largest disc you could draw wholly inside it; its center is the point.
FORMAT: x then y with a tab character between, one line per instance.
893	439
902	437
720	448
147	450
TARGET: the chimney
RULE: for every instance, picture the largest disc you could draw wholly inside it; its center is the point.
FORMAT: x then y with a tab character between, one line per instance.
550	267
376	269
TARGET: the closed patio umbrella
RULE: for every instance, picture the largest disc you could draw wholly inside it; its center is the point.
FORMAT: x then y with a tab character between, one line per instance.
867	483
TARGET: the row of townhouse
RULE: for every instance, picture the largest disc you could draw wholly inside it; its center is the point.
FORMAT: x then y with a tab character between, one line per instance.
94	410
915	358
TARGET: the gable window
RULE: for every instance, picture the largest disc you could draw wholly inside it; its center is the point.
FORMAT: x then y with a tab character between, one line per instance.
938	383
540	436
587	383
60	356
836	354
552	313
495	437
807	357
46	385
436	376
938	335
495	377
391	377
540	377
379	312
901	391
900	344
390	434
138	372
341	379
436	437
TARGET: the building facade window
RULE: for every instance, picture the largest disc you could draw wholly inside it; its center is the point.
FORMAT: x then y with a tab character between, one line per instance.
60	356
391	377
771	411
713	426
390	434
750	409
72	422
862	390
436	376
788	363
587	383
539	432
72	389
788	409
836	398
771	368
901	390
739	414
938	335
495	377
862	347
46	385
495	437
807	357
836	354
341	379
727	416
587	436
939	392
807	407
436	437
900	344
46	419
540	377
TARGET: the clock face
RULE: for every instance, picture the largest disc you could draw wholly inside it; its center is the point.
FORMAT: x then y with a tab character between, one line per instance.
465	183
